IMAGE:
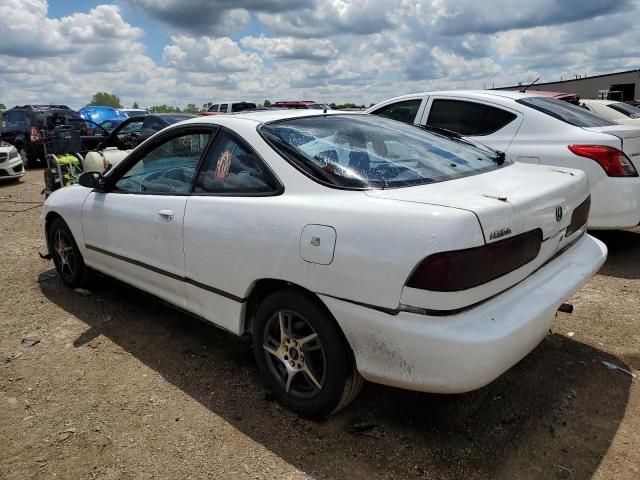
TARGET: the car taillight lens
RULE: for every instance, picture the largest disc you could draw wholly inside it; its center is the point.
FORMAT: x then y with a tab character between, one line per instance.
34	133
579	217
462	269
613	161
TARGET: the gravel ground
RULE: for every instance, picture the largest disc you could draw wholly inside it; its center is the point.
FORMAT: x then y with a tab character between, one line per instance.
121	386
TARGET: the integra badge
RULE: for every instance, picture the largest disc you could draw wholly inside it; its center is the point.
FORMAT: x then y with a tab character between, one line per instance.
499	233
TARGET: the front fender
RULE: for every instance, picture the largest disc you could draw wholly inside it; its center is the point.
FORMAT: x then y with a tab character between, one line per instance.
66	203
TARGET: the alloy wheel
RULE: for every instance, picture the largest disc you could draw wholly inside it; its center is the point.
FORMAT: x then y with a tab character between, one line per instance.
64	253
295	354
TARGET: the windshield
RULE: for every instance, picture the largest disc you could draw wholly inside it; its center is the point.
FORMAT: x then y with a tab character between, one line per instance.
628	110
565	112
366	151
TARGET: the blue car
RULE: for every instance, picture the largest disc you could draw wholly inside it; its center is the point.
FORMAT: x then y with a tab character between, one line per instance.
99	114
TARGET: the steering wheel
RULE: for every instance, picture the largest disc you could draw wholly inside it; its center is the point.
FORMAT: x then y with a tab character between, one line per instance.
129	140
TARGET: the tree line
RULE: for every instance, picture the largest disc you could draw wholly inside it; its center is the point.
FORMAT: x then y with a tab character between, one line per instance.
111	100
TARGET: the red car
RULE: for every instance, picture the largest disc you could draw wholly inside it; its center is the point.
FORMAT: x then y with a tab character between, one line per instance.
566	97
301	104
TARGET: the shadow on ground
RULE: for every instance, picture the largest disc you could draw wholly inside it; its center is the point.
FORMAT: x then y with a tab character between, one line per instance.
624	252
553	415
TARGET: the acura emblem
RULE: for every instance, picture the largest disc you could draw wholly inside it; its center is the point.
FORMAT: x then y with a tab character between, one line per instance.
558	213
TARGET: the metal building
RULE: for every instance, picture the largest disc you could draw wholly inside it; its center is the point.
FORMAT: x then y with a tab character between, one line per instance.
615	86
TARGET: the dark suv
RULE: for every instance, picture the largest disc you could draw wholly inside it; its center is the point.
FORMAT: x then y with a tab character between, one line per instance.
23	127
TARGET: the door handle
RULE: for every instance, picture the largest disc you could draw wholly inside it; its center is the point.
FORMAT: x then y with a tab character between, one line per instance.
166	215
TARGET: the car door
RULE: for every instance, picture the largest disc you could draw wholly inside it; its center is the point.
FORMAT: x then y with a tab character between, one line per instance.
490	124
133	230
230	221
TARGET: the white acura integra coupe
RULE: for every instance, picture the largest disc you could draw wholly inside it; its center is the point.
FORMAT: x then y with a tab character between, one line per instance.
345	245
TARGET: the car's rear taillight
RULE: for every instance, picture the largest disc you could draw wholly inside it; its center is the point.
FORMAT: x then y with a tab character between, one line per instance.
34	134
462	269
579	217
613	161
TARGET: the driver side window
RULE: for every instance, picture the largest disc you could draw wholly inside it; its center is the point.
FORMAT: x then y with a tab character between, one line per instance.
169	168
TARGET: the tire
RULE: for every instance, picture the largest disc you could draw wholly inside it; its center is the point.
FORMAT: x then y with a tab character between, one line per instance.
323	378
23	156
66	255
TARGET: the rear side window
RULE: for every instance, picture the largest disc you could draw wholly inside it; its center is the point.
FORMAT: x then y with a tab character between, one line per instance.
565	112
627	110
16	118
401	111
232	168
468	118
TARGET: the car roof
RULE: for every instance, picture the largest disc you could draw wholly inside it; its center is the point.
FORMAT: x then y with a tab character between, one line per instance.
41	107
263	116
89	107
183	116
477	94
231	101
603	102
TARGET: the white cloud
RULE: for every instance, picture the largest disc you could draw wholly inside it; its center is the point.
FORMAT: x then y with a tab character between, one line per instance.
329	50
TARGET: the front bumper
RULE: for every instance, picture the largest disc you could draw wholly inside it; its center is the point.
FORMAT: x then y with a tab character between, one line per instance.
468	350
12	168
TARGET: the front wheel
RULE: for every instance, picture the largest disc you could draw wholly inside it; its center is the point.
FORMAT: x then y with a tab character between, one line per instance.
23	155
302	355
66	255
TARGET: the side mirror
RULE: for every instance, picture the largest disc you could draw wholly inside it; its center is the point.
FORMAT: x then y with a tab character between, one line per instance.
93	180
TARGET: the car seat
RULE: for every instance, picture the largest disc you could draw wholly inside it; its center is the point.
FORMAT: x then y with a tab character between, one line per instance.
359	157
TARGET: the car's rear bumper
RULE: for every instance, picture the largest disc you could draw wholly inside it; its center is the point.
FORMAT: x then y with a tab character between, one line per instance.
465	351
615	204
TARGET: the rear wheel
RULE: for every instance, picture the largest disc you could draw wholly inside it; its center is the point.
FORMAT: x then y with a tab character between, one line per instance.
66	255
23	155
302	355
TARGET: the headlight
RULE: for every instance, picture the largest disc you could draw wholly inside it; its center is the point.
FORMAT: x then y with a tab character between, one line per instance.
13	154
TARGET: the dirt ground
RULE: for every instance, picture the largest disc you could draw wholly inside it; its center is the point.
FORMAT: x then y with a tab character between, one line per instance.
120	386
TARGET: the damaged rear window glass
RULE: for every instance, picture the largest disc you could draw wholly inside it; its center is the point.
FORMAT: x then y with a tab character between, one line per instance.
367	151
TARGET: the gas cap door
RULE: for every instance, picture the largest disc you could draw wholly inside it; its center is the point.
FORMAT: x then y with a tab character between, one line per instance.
317	244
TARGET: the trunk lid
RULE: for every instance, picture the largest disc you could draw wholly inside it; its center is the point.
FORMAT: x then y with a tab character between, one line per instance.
630	138
508	201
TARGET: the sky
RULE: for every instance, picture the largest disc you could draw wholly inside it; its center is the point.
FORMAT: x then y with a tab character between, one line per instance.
177	52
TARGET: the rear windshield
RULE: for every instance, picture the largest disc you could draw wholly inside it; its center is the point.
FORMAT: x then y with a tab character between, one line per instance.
628	110
366	151
565	112
240	106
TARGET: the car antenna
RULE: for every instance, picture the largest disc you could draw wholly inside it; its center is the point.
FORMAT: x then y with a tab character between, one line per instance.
524	90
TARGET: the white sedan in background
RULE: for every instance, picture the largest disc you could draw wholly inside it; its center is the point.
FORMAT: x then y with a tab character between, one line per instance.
345	245
531	128
617	112
11	164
